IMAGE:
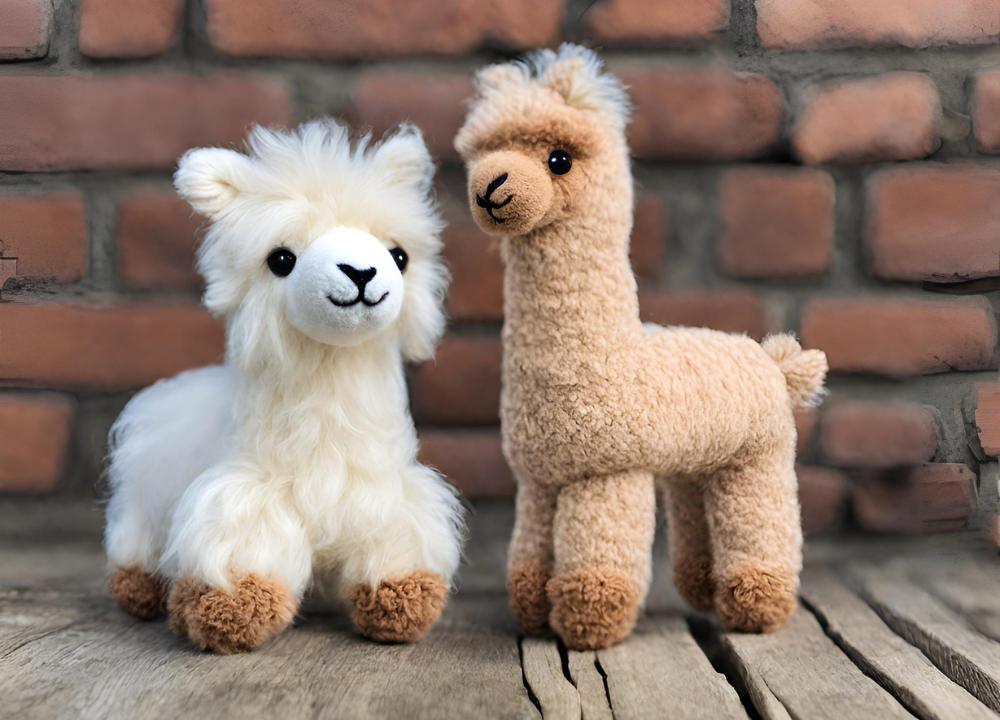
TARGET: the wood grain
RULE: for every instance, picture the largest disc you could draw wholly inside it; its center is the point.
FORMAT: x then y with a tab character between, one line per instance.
590	684
544	672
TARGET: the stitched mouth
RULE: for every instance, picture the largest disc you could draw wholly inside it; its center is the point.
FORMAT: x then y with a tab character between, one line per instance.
359	299
489	206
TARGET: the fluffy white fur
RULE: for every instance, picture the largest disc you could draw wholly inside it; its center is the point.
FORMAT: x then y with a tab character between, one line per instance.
297	457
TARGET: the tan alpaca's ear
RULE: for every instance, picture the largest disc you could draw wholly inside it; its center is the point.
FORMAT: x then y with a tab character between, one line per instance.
498	77
210	179
404	158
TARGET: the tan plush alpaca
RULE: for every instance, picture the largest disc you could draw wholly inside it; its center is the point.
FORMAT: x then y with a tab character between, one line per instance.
594	405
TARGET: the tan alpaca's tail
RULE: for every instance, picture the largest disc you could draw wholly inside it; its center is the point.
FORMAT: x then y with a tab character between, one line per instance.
804	370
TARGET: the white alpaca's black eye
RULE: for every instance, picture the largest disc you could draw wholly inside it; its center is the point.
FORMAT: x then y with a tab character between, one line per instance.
281	262
400	257
560	162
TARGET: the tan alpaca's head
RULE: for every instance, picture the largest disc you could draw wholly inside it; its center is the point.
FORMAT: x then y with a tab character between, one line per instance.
541	136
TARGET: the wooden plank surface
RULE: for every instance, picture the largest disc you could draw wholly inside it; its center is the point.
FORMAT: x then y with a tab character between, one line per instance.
661	669
809	675
967	657
543	671
882	654
971	588
589	681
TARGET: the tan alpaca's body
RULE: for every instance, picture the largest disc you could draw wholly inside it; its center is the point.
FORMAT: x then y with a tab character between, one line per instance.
594	404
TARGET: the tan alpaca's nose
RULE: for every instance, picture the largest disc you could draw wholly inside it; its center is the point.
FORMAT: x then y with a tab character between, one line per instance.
508	192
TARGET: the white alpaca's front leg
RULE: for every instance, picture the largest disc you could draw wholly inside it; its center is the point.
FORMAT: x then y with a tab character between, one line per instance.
239	557
398	575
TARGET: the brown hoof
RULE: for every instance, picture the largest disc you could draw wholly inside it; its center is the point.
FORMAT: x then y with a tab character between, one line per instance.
402	610
752	599
528	599
693	579
593	609
228	622
139	593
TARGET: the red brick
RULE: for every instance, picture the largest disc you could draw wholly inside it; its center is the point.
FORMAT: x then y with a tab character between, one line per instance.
887	503
461	385
988	417
472	460
136	29
938	224
47	234
476	291
902	337
804	24
373	28
896	116
738	311
68	122
805	429
156	241
24	32
434	103
686	115
639	22
35	435
776	223
648	245
986	112
823	497
948	495
937	497
113	346
877	435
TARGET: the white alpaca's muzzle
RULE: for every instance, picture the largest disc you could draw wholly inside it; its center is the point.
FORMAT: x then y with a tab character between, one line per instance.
345	289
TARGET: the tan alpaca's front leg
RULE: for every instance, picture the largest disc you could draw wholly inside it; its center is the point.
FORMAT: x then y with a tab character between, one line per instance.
756	536
529	561
690	549
603	547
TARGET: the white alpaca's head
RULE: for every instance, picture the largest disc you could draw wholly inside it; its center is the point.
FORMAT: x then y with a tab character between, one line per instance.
317	238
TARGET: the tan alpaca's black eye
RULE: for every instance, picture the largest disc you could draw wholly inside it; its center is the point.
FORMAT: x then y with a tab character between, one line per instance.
281	262
400	257
560	162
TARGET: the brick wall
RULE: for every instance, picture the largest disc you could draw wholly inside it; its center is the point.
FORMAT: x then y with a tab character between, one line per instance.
830	167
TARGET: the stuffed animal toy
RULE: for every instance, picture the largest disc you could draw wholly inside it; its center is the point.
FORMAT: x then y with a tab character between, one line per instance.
594	405
234	486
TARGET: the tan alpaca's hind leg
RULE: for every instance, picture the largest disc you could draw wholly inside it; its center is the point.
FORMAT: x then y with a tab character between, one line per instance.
529	561
756	536
690	549
603	542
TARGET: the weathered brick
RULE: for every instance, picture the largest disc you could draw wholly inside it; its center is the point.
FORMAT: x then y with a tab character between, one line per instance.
805	24
157	232
878	435
135	29
46	233
823	497
902	337
113	346
434	103
372	28
934	224
948	495
988	417
639	22
887	503
35	435
726	310
986	112
936	497
776	223
648	245
461	385
476	291
703	114
806	420
896	116
66	122
24	32
472	460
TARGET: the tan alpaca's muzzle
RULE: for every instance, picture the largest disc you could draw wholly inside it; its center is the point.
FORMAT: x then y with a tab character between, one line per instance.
509	192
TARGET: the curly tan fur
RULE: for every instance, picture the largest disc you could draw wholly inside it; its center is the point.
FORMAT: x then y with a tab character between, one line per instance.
231	621
138	592
593	406
755	600
528	599
593	609
399	611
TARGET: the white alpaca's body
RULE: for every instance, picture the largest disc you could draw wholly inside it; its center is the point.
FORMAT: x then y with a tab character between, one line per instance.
297	458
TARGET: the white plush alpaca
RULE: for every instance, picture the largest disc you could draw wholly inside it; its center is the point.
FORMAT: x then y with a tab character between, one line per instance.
234	486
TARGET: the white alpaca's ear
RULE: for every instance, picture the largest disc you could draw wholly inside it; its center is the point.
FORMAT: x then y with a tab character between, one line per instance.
404	159
212	178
